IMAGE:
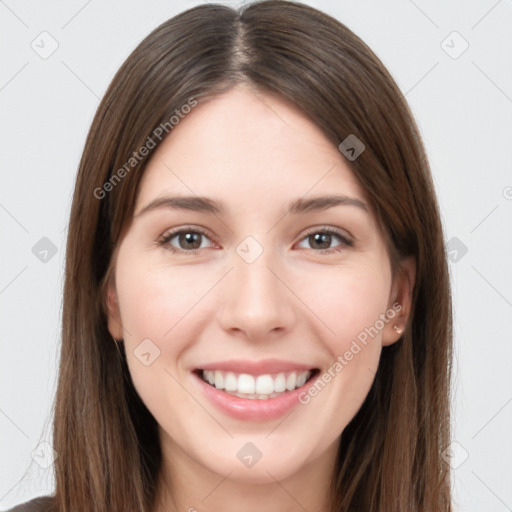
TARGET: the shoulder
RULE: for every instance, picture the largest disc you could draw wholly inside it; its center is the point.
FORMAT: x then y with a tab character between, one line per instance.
41	504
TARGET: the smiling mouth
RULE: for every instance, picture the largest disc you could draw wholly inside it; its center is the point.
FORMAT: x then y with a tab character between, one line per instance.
256	387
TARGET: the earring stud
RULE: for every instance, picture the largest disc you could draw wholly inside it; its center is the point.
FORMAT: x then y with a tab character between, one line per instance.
397	329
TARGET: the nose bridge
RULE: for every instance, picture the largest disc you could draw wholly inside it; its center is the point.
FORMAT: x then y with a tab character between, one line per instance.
256	301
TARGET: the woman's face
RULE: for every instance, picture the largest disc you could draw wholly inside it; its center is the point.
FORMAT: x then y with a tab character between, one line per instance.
266	289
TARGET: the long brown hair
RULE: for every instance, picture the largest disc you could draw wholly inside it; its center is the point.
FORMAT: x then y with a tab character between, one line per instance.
107	441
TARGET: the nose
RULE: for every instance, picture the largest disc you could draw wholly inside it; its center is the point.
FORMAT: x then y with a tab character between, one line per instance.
257	302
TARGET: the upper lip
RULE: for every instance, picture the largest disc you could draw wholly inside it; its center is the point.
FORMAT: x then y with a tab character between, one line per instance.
263	367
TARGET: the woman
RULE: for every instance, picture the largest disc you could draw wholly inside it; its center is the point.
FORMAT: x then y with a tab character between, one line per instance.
253	369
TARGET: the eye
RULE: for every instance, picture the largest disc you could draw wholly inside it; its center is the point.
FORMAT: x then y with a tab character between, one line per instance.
321	240
189	240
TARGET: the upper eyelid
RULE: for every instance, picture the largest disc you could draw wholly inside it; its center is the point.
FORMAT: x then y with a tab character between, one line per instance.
187	229
322	229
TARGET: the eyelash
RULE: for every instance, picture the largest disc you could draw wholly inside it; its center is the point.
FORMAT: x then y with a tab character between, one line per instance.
345	242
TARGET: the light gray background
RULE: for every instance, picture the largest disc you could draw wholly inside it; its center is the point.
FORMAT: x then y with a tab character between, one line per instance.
463	106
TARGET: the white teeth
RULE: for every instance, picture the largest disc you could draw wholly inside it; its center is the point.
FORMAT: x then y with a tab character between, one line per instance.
264	385
246	384
219	380
230	382
280	383
291	381
261	387
301	380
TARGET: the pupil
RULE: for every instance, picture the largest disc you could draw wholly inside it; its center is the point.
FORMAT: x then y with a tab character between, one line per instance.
318	236
189	238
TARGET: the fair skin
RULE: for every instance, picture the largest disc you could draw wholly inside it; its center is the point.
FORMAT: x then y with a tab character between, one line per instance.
255	153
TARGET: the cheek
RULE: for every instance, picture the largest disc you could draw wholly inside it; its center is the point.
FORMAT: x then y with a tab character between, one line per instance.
155	300
157	312
348	300
153	304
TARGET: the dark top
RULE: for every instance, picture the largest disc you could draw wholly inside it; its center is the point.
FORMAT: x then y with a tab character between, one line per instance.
41	504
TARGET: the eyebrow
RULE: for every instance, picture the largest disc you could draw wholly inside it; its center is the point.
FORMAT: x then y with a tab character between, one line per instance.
207	205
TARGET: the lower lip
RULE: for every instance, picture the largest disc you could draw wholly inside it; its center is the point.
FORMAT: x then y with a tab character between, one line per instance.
253	410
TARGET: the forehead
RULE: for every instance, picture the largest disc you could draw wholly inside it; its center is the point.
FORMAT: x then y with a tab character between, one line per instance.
247	148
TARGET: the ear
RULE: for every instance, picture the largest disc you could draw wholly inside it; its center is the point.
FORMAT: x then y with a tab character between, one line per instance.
114	324
400	302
